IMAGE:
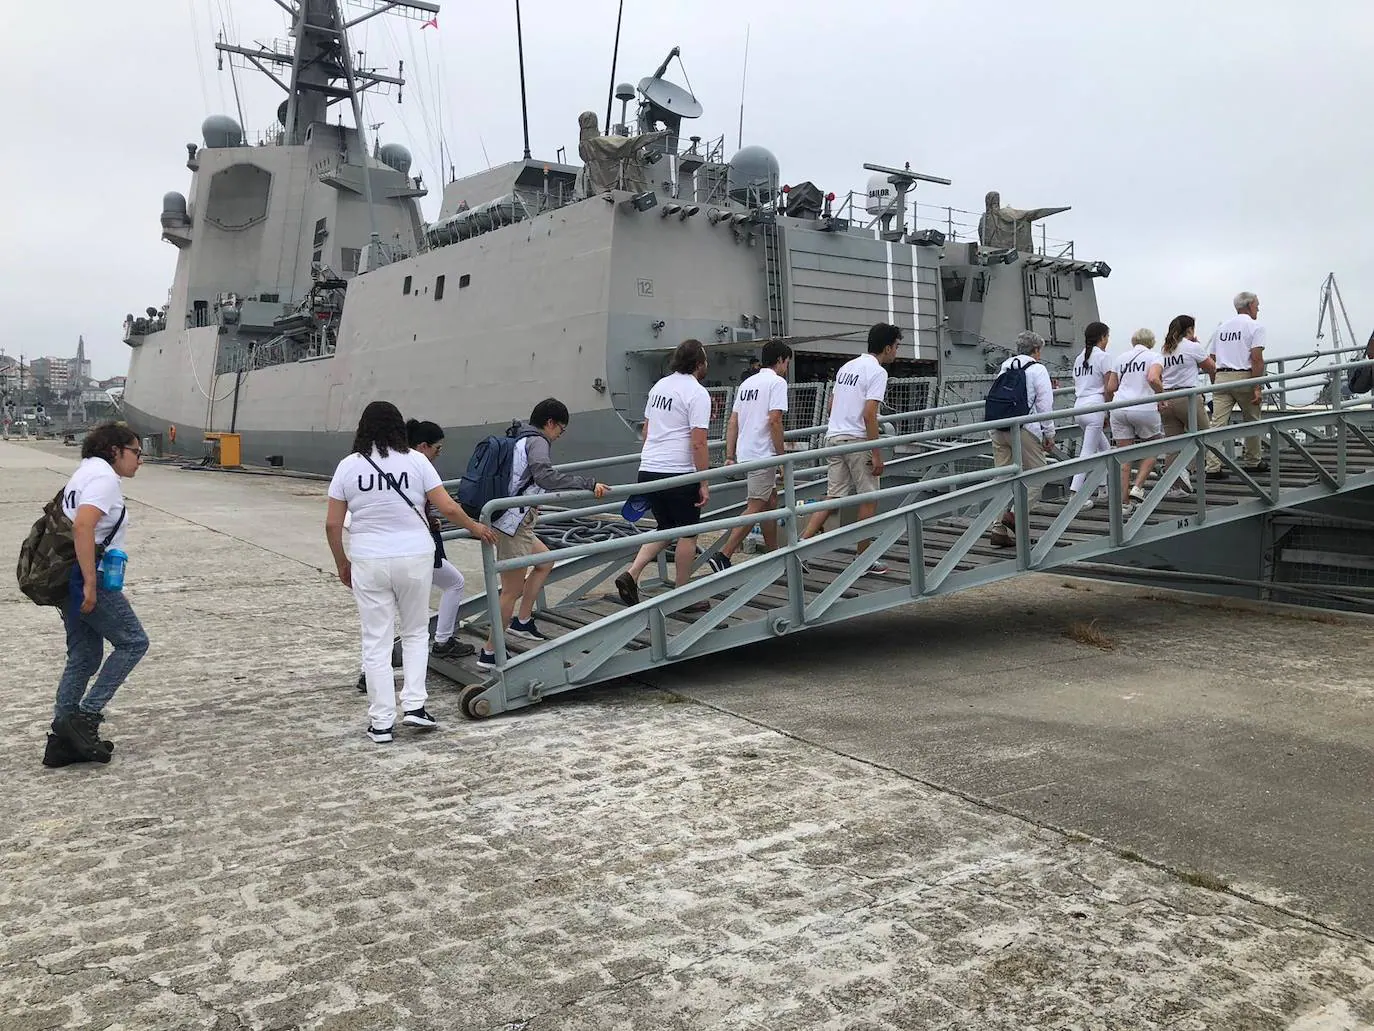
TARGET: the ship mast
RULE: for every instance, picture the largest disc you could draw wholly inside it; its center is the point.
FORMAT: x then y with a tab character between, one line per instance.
322	74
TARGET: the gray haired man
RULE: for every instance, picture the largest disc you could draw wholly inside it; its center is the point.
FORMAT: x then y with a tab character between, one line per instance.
1238	345
1036	437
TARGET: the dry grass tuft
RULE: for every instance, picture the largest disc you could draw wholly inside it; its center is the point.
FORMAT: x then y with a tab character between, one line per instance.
1089	634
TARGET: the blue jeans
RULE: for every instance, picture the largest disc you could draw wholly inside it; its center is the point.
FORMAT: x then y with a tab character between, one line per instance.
112	620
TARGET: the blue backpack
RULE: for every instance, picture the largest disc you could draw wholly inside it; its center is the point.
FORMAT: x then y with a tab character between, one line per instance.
1008	396
489	469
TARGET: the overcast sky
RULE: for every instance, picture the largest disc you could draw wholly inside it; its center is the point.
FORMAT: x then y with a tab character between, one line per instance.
1206	146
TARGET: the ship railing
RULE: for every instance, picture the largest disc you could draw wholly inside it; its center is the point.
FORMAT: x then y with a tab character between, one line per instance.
958	225
927	469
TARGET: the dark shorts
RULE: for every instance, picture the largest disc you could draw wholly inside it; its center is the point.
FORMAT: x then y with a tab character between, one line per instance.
674	507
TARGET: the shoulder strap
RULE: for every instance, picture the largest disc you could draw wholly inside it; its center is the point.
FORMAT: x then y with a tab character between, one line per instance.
386	477
115	529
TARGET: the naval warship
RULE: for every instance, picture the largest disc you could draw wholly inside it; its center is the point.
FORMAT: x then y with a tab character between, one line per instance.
307	283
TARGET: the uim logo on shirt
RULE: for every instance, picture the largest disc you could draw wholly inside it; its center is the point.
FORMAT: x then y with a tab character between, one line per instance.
848	379
661	402
373	483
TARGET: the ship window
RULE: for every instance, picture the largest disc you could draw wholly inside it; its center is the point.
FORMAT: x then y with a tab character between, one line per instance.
405	285
979	288
202	309
464	280
439	288
953	284
315	256
321	231
349	256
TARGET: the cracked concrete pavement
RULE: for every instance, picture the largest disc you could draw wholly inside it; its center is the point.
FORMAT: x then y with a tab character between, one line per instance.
623	857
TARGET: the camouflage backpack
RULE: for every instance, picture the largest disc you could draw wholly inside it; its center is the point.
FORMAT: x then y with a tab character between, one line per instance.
48	554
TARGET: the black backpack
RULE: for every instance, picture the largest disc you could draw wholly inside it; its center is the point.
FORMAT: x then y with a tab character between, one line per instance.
1009	396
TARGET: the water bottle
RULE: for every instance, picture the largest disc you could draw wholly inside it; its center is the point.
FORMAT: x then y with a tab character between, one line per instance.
112	570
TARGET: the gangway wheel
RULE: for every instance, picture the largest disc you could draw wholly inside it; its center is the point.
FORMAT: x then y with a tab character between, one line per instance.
473	707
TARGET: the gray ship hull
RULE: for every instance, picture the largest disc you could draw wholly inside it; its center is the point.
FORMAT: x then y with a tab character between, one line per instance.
591	435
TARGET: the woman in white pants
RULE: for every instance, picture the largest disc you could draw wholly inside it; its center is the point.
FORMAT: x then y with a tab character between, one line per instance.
428	439
390	568
1137	375
1090	388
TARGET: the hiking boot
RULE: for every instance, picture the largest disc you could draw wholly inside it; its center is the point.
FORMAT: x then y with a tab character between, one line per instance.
526	629
451	649
419	718
60	753
81	731
628	589
379	735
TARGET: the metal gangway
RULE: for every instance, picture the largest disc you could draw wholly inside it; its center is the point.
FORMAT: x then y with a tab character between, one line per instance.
930	533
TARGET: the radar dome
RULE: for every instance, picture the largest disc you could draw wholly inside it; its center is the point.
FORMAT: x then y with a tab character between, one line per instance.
221	131
174	211
753	168
882	195
395	156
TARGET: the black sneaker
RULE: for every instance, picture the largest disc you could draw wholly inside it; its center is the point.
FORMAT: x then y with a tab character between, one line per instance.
419	718
718	561
628	589
81	732
486	659
451	649
380	735
526	629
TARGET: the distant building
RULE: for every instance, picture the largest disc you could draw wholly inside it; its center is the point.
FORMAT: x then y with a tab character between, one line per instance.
113	381
51	372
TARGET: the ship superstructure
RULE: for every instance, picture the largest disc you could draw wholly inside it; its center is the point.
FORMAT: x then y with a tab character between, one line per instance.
307	284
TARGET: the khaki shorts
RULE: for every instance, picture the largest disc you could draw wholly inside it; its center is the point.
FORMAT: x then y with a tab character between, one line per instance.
851	473
521	543
763	484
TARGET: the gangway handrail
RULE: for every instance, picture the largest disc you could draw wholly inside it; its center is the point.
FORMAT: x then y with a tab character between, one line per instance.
806	432
789	458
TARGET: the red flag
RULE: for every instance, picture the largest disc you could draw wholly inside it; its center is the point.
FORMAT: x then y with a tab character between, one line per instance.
432	23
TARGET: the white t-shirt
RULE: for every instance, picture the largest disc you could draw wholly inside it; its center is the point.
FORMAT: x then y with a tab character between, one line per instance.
382	525
96	483
677	405
1090	376
1181	365
1132	370
1233	340
758	396
859	381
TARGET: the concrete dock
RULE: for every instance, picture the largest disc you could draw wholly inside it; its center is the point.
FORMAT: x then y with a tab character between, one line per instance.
954	815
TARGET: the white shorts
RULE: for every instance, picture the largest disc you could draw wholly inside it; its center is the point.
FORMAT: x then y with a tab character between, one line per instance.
1136	423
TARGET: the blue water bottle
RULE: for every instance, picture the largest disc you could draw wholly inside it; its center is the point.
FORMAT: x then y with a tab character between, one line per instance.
112	570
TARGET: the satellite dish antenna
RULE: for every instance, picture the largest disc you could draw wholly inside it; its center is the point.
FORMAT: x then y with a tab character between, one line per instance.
665	104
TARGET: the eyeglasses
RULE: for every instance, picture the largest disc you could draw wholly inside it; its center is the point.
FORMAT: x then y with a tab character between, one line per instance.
136	450
437	448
